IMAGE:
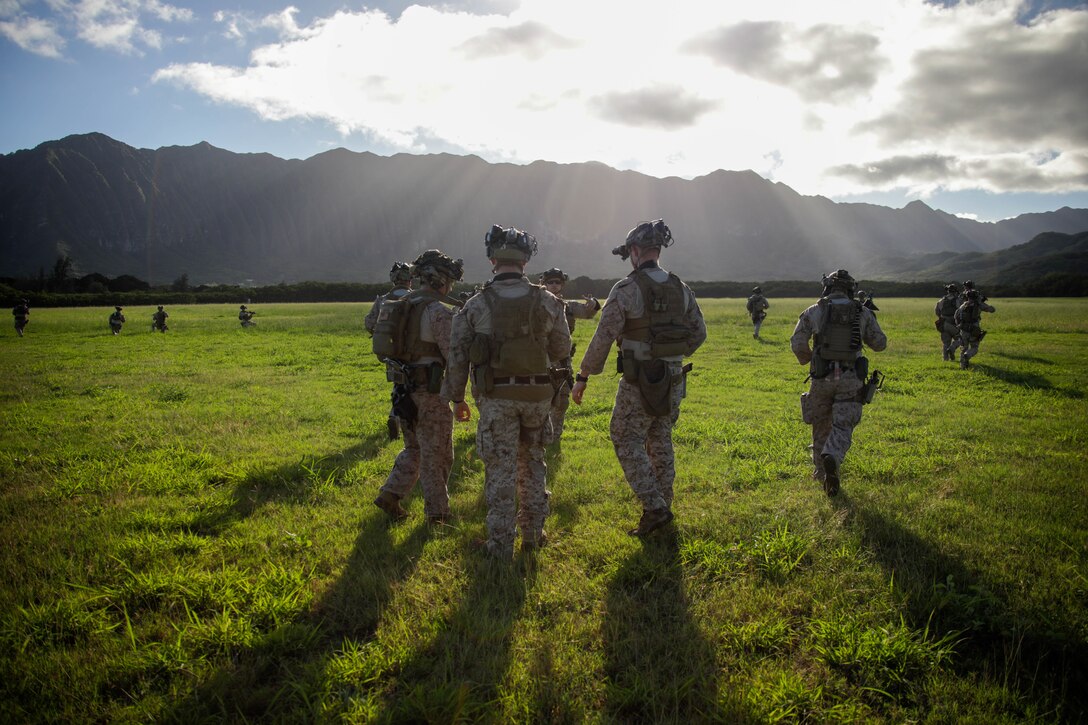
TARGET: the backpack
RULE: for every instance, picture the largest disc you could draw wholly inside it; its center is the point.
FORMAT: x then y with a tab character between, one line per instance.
396	333
839	336
663	325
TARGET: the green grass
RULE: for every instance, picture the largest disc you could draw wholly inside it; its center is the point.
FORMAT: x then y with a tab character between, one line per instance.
186	534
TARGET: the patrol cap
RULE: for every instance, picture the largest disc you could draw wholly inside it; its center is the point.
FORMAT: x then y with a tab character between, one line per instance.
646	235
507	244
401	273
553	275
434	263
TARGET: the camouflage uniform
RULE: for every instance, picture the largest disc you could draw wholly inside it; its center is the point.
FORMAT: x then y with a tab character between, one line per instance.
835	407
945	310
574	309
757	309
117	319
643	442
372	317
158	320
509	437
970	329
428	441
21	313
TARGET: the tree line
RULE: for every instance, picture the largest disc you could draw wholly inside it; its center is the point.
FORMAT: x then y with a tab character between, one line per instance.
62	289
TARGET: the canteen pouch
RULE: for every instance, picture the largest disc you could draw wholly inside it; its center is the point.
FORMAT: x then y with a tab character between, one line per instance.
655	384
806	409
484	378
629	366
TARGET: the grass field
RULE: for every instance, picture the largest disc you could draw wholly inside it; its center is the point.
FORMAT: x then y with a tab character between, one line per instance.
187	534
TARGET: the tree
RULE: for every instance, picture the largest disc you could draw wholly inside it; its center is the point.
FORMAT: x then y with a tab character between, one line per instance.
62	269
181	284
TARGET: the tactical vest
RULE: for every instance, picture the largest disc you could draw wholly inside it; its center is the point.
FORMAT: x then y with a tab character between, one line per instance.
516	348
568	310
971	314
839	336
662	325
397	331
948	306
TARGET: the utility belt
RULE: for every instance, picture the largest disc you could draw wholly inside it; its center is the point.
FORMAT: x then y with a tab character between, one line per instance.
427	376
654	379
821	368
523	380
531	388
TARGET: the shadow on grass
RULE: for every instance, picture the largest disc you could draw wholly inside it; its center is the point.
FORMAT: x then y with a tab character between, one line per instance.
1032	381
1038	659
1024	358
659	667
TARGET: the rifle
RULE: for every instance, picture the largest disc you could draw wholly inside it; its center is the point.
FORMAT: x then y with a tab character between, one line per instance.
873	384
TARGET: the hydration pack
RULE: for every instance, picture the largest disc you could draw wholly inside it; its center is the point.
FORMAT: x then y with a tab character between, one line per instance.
518	344
839	336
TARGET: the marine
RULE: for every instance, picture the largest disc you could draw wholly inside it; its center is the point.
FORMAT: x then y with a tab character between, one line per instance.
21	313
158	320
945	310
245	316
116	320
757	309
840	326
401	277
968	319
416	367
655	320
554	280
508	336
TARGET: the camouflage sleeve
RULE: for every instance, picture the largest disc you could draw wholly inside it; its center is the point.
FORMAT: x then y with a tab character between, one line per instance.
937	308
695	320
987	308
802	334
583	310
559	335
461	334
873	336
608	331
372	316
440	318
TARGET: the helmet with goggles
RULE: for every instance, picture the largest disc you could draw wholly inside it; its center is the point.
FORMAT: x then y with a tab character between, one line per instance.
507	244
646	235
841	281
401	273
434	266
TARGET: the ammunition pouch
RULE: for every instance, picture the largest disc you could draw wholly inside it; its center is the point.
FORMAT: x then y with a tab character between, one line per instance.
670	343
861	368
818	368
807	415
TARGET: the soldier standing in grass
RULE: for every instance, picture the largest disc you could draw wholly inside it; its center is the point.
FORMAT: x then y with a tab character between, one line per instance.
757	309
117	319
401	277
21	313
840	325
946	320
511	333
158	320
968	319
553	280
656	321
416	368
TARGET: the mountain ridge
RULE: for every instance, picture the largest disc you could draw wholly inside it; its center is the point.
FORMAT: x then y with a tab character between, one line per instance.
341	215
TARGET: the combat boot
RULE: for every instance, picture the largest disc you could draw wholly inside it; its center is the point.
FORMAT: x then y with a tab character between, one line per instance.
651	521
965	362
831	474
390	504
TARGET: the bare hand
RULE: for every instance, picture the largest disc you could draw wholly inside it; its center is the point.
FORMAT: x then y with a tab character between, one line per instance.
462	412
577	392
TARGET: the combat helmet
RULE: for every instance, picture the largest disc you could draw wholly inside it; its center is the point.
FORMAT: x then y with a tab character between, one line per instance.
552	275
435	268
951	287
973	295
841	281
118	307
401	273
645	235
757	290
507	244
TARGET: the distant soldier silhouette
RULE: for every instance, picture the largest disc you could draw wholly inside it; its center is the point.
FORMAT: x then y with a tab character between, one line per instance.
945	310
757	309
158	320
117	319
21	313
969	321
245	316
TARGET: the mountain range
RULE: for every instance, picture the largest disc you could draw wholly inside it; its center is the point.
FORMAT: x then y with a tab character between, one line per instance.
224	217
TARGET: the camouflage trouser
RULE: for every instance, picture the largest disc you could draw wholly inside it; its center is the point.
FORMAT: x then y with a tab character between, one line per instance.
553	431
643	444
115	327
427	455
757	321
970	337
835	412
510	442
20	325
949	337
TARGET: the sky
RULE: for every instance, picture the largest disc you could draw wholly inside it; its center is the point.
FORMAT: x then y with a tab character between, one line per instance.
978	108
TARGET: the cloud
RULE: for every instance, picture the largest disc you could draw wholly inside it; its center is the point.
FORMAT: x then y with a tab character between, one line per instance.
833	98
530	39
666	107
116	25
34	35
820	62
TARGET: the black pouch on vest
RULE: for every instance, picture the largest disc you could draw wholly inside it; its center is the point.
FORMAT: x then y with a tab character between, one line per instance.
655	384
